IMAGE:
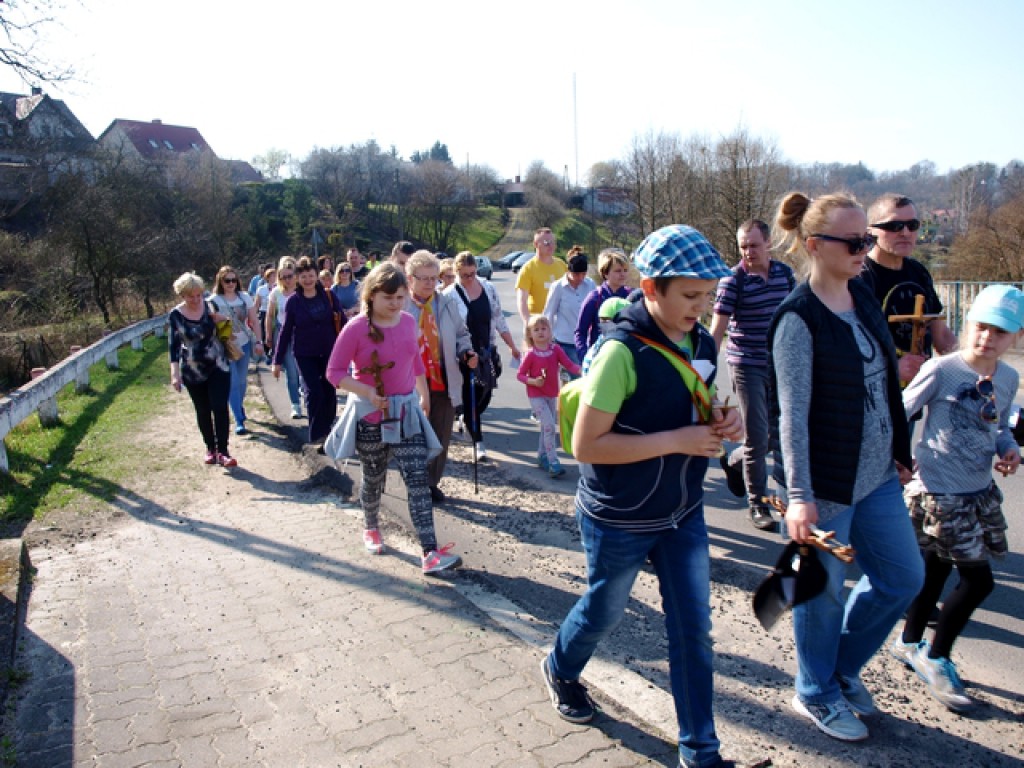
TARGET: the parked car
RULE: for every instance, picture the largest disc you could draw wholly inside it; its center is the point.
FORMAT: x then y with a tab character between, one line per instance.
505	262
521	259
484	268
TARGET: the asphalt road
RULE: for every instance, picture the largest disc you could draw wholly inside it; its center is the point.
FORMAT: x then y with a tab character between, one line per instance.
993	643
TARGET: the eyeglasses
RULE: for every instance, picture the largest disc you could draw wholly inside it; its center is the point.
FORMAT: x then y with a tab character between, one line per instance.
230	280
987	391
897	226
855	244
286	277
345	271
425	278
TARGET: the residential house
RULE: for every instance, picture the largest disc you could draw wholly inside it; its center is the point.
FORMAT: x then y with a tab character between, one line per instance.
40	140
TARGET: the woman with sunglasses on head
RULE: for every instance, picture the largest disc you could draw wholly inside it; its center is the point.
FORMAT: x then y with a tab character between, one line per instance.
346	289
955	507
276	316
241	310
897	280
844	436
312	322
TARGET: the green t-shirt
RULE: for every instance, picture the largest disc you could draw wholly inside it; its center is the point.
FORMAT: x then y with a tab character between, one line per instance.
611	379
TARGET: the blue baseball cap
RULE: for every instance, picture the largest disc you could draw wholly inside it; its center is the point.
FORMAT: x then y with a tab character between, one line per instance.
998	305
679	251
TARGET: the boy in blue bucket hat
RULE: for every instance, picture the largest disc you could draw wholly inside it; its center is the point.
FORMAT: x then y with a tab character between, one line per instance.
646	427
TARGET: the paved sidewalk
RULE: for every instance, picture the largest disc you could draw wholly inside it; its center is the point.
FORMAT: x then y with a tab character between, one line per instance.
223	634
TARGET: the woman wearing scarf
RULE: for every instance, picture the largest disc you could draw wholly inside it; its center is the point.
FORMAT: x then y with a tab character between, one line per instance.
444	341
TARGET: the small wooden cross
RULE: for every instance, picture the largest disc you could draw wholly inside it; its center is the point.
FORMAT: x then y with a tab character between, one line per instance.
375	368
919	320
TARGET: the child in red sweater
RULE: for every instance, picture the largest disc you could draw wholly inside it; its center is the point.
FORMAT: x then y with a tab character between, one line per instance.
539	372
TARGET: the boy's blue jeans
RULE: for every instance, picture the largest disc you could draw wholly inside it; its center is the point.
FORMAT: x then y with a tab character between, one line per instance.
682	564
836	636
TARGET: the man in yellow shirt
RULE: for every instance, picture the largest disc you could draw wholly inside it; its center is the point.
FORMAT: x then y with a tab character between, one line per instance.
538	275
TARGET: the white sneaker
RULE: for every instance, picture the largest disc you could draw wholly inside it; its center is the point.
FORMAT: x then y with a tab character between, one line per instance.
905	651
481	452
458	424
941	677
296	412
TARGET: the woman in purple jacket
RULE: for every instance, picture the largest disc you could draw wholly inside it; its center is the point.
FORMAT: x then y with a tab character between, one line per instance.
613	266
312	321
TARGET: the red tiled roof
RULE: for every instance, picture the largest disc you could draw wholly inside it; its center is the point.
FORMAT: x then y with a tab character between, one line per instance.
155	137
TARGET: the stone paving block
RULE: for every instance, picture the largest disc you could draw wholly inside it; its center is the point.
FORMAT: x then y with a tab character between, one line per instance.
148	755
235	747
197	720
112	736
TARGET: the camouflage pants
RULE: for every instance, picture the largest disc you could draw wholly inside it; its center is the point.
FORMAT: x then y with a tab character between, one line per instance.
962	528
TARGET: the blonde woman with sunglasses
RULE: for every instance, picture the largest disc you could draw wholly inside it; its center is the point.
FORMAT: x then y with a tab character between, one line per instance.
844	437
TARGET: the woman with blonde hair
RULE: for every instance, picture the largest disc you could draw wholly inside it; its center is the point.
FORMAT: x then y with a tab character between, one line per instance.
613	266
198	363
844	438
276	315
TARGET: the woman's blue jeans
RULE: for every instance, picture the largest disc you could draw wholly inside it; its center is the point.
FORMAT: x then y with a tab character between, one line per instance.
239	381
291	373
835	637
682	564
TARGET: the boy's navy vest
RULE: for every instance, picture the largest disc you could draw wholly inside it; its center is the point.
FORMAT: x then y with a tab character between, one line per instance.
836	420
654	494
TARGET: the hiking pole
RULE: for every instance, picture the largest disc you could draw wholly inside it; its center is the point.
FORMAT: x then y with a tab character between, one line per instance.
473	420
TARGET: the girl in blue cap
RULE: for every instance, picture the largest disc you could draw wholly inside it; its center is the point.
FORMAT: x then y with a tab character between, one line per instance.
955	506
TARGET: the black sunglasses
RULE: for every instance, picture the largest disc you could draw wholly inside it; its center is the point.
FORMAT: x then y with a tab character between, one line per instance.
230	280
855	244
897	226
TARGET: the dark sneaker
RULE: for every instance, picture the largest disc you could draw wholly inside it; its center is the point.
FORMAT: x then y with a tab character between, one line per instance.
733	477
569	697
761	517
436	495
836	719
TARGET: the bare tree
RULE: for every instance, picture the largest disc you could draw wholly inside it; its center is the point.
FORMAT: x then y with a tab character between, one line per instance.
271	162
23	23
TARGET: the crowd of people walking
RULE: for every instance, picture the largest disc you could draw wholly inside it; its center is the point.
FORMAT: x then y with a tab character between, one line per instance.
825	384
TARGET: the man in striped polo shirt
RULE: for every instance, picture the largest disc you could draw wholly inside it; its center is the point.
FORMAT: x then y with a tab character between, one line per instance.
744	305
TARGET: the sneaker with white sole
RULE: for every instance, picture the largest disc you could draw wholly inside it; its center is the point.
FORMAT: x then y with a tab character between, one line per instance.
941	677
857	696
569	697
296	412
372	541
481	452
905	651
835	719
438	560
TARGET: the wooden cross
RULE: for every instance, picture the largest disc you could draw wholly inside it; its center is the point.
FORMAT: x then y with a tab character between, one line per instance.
375	368
919	320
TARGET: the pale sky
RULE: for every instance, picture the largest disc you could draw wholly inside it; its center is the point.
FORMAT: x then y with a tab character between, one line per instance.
884	83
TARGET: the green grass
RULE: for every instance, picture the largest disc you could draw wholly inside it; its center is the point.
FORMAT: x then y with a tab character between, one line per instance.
483	232
78	462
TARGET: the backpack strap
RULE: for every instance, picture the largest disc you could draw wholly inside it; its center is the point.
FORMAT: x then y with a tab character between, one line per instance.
699	391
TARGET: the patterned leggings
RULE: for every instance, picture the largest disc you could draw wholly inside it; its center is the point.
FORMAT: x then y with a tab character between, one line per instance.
411	455
546	411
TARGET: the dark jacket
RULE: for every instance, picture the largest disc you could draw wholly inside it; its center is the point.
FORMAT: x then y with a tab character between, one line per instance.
308	325
837	389
657	493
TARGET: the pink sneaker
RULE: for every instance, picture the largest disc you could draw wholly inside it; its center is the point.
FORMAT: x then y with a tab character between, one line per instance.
226	461
372	541
439	560
211	458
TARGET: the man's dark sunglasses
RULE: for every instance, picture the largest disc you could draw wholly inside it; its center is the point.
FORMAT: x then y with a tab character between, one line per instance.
855	244
897	226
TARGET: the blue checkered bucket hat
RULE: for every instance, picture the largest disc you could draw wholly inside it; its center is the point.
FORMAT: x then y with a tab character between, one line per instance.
679	251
